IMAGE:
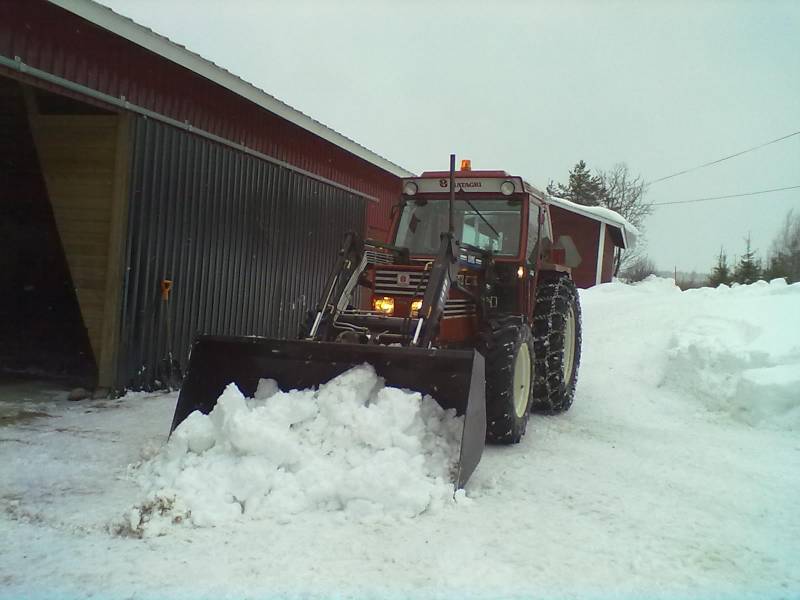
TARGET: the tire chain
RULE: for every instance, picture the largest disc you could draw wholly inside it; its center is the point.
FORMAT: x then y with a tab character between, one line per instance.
498	342
553	300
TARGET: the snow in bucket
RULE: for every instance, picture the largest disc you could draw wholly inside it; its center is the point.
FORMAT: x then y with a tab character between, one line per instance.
353	446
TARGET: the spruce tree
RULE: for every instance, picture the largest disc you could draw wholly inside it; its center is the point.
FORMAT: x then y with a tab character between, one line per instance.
721	274
748	270
583	187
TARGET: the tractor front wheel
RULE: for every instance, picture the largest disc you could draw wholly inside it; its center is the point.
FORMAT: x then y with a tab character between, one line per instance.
507	347
557	345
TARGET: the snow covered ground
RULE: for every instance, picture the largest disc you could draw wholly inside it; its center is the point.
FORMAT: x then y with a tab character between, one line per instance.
675	474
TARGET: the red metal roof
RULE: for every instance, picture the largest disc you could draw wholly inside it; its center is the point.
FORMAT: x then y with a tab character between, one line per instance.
39	34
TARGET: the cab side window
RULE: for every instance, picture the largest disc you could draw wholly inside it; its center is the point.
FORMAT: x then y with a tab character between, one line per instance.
533	233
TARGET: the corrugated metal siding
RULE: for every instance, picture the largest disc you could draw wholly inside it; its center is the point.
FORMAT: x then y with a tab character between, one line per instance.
248	245
58	42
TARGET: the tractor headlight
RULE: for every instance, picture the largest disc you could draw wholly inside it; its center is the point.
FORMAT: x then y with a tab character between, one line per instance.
384	305
416	306
410	188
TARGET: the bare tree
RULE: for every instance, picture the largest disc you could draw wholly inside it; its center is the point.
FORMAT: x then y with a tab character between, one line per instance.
784	254
624	194
639	269
691	281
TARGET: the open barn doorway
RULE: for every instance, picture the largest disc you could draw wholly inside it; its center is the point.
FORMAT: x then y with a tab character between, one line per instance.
58	158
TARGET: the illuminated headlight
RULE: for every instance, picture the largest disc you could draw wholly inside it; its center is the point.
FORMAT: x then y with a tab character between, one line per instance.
507	188
416	306
521	272
384	305
410	188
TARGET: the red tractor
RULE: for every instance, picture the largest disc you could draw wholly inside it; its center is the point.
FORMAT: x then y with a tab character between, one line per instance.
470	301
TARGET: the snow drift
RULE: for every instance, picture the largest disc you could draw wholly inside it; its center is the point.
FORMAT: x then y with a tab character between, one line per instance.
733	351
353	446
737	352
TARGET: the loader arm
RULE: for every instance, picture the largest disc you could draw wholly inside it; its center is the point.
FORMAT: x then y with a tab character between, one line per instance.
340	284
444	272
354	257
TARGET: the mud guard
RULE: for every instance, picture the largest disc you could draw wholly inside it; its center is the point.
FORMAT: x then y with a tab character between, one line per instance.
454	378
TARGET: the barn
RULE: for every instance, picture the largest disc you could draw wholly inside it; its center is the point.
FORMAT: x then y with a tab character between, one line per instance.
148	195
597	233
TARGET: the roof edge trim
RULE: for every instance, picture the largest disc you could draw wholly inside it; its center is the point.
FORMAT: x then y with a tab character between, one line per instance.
38	74
106	18
629	232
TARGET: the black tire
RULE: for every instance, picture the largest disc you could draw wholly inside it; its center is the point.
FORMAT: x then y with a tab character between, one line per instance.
555	376
502	341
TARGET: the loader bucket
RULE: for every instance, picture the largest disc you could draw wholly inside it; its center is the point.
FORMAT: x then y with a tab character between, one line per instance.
454	378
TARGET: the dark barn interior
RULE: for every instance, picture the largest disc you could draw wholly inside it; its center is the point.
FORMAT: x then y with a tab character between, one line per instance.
41	327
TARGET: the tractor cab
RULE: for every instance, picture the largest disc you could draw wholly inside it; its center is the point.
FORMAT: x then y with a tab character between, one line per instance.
498	221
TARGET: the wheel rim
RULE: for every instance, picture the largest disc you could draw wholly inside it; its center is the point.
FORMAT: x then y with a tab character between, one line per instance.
569	346
522	380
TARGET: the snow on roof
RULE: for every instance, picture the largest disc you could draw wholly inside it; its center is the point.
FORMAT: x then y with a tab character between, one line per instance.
104	17
602	214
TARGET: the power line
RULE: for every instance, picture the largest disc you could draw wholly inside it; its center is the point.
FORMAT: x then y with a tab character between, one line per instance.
791	187
724	158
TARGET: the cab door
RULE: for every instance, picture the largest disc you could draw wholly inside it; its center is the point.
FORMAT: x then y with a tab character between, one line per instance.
532	256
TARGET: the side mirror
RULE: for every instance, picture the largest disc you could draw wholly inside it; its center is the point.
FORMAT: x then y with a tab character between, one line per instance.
563	252
572	258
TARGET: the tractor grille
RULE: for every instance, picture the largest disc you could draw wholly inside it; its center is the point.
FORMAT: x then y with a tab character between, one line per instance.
405	283
459	307
377	257
395	283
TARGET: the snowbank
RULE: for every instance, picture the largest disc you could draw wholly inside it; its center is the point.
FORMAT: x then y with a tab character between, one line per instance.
739	352
734	351
353	446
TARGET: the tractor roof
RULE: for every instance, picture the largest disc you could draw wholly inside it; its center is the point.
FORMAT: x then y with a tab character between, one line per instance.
465	174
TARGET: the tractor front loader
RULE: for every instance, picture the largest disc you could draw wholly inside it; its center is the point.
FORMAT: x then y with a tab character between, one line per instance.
469	302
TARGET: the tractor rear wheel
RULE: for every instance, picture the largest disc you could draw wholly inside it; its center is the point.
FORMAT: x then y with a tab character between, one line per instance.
507	347
557	345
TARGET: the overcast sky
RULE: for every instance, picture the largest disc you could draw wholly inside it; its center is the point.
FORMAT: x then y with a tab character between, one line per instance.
533	87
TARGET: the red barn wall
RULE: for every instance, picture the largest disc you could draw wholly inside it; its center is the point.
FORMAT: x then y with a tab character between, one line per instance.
58	42
585	233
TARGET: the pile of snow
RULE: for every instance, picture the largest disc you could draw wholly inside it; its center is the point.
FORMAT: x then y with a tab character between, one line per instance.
733	352
353	446
737	350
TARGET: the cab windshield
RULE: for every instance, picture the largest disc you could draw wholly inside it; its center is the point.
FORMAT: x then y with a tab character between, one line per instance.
492	225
